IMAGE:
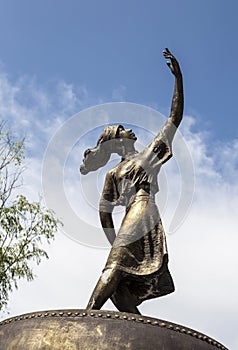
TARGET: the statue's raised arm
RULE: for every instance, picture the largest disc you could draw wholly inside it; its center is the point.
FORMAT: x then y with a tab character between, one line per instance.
160	149
176	113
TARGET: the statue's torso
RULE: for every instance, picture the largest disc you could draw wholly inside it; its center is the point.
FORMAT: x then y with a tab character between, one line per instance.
130	176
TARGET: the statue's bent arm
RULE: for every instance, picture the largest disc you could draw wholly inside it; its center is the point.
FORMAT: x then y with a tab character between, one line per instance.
106	207
108	226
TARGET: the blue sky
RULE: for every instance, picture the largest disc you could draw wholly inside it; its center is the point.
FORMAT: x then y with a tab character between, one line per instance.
106	44
58	58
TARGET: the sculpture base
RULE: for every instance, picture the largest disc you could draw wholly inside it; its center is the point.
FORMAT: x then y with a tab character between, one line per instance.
98	330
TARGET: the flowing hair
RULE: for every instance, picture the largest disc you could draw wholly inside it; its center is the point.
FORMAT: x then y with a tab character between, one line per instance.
97	157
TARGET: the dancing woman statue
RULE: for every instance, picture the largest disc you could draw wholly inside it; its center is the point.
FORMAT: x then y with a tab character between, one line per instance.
137	265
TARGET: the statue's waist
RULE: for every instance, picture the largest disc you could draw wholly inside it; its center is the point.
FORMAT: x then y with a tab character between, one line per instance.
140	195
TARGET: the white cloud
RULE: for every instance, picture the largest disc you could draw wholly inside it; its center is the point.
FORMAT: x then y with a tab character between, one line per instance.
35	111
203	258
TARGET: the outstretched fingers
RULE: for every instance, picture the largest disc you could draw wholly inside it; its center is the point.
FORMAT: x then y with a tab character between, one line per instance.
167	53
172	62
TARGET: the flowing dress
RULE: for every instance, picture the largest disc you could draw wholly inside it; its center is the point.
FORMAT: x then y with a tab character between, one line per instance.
139	250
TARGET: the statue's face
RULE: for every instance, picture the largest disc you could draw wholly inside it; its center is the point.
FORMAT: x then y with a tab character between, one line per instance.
126	133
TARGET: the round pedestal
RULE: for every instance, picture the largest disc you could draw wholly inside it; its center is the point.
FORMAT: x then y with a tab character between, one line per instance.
98	330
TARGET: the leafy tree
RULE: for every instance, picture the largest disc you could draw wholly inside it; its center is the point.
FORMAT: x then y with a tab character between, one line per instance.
24	225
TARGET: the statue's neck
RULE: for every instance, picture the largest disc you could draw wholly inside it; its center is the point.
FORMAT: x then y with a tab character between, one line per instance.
128	153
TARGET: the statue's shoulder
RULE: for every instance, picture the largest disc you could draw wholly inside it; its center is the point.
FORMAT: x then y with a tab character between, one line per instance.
112	172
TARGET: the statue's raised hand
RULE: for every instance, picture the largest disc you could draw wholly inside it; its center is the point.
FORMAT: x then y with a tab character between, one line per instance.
172	63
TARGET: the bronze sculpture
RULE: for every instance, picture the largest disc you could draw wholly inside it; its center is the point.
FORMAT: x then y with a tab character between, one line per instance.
137	266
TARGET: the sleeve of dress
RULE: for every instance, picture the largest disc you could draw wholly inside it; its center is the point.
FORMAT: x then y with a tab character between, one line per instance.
160	149
109	194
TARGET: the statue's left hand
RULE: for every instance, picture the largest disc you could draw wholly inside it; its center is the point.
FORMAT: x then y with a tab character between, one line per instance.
173	63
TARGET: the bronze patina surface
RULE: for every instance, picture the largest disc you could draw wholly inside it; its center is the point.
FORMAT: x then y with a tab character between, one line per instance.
137	266
98	330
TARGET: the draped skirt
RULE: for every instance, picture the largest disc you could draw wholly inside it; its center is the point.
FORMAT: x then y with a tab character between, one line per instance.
140	251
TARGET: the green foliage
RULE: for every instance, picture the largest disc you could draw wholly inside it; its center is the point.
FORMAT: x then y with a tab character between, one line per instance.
24	225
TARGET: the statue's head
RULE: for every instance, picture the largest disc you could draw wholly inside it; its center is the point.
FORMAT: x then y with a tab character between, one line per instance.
115	132
114	139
